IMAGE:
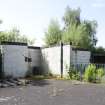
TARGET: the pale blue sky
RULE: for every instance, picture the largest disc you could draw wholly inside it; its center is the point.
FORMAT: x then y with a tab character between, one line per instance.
33	16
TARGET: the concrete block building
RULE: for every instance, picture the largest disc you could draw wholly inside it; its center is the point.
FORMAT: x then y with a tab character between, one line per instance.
58	57
19	59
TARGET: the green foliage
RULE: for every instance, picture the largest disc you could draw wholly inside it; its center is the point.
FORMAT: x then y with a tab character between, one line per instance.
14	36
98	50
53	34
90	73
76	35
71	17
80	32
73	73
100	74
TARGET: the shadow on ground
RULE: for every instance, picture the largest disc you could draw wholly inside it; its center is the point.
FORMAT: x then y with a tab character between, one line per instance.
40	83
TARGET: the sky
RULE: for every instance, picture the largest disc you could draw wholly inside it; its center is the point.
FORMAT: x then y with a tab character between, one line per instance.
32	17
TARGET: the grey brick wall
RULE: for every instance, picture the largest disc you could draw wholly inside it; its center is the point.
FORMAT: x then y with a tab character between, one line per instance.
51	60
80	57
35	65
14	60
48	59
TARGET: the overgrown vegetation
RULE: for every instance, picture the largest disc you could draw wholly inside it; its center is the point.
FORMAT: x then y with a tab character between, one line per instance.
73	73
90	74
100	74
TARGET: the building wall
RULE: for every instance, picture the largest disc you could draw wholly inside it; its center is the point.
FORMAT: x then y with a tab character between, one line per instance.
35	54
80	57
47	59
14	60
51	60
66	58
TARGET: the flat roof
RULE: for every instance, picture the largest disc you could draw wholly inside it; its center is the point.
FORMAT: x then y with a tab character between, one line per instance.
34	47
13	43
80	49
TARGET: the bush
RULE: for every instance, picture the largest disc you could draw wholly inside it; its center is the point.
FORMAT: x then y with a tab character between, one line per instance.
90	73
100	74
73	73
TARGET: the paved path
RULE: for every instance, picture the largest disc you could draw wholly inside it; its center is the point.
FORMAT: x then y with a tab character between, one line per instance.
54	92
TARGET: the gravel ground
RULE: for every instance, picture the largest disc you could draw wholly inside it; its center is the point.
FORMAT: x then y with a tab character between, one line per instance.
54	92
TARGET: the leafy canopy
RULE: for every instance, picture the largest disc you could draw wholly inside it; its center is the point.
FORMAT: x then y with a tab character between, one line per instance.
53	34
14	36
80	32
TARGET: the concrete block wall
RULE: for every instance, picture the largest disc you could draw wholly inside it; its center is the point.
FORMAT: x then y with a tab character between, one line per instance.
66	58
51	60
14	60
35	54
80	57
47	59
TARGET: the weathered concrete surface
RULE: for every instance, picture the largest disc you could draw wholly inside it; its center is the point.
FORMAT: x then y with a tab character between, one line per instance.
53	92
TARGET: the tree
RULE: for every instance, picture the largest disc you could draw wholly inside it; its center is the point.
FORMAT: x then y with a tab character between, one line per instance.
14	36
80	32
54	34
71	16
91	31
98	50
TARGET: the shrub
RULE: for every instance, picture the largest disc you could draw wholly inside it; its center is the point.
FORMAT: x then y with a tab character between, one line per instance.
90	73
73	73
100	74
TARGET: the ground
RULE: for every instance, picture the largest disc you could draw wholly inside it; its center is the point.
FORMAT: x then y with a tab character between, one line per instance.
54	92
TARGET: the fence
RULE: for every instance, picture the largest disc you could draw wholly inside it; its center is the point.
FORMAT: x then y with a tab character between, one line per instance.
81	68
